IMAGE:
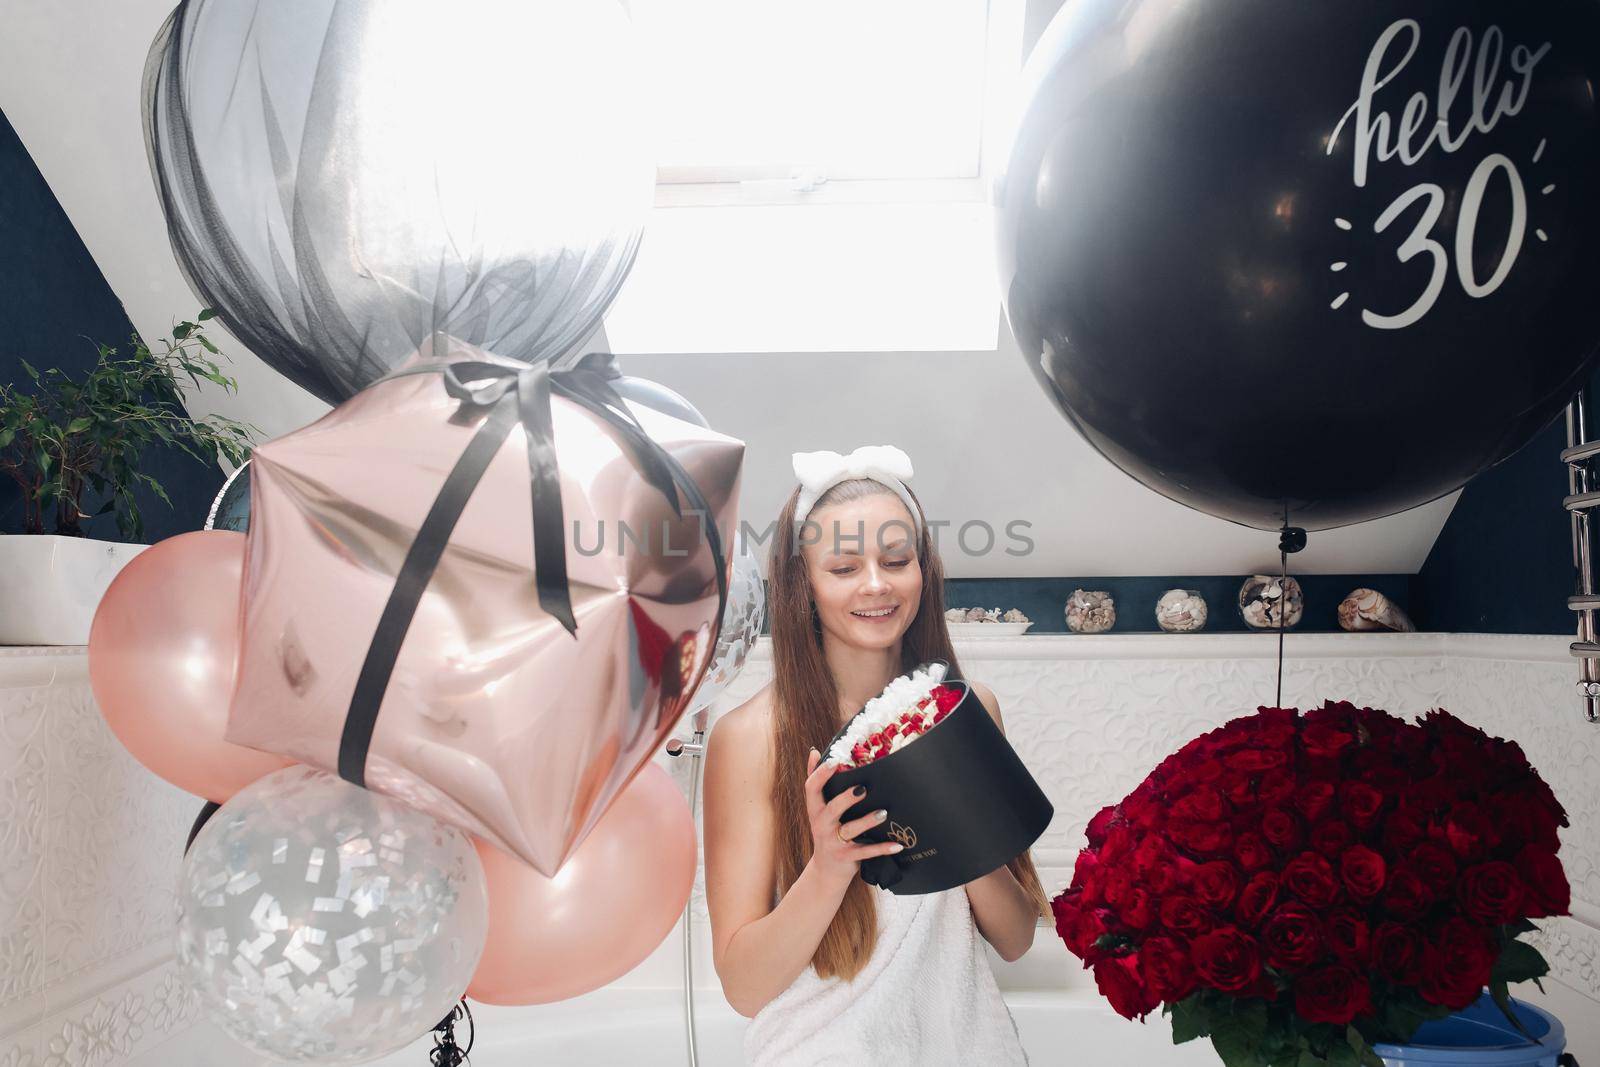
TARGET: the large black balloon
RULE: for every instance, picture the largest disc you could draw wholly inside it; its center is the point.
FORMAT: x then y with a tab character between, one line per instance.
1273	303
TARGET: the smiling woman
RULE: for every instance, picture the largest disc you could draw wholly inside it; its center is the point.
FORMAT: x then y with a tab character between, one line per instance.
822	961
864	570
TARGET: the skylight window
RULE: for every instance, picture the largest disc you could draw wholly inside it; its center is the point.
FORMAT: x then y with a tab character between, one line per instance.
847	89
822	169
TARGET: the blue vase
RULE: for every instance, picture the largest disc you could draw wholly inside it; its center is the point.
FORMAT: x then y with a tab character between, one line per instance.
1481	1036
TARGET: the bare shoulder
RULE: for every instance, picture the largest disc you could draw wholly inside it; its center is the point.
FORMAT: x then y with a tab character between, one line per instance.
747	727
750	718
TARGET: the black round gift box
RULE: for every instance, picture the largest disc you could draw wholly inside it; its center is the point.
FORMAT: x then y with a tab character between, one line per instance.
958	797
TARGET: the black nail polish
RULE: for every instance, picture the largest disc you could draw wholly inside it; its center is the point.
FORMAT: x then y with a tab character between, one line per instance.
860	790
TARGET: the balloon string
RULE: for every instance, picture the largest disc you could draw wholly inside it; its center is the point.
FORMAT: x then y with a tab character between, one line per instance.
1290	539
445	1051
1283	600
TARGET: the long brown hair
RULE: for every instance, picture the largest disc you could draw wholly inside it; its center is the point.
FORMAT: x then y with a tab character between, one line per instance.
806	716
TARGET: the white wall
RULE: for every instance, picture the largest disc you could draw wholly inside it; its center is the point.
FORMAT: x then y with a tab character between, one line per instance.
986	441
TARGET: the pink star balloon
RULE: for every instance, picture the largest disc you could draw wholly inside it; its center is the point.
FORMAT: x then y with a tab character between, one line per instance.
494	718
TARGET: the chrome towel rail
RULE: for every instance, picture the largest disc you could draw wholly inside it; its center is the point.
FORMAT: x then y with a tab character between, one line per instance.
1583	493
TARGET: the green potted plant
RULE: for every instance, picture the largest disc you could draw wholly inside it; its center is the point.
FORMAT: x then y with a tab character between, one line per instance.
75	444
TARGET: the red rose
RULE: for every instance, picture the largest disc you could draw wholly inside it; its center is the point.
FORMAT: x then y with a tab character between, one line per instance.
1314	798
1119	981
1345	932
1333	994
1310	877
946	696
1381	726
1204	804
1256	898
1098	825
1226	959
1088	860
1525	819
1255	760
1491	892
1275	787
1184	915
1406	896
1120	841
1252	851
1138	909
1216	883
1397	953
1362	871
1360	803
1079	925
1168	974
1143	810
1281	828
1292	937
1237	787
1468	831
1386	778
1403	828
1435	864
1456	964
1546	882
1157	865
1325	741
1274	727
1430	794
1336	713
1204	838
1331	837
1542	794
1119	885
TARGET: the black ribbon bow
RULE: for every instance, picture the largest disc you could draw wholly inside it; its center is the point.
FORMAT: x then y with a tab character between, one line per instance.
506	396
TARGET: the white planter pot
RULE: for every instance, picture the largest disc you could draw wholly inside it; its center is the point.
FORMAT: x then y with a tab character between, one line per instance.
50	586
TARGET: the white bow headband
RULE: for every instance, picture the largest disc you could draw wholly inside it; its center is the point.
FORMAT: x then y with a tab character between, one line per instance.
820	471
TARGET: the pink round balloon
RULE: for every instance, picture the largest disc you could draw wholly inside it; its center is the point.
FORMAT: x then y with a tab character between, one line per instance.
162	653
606	909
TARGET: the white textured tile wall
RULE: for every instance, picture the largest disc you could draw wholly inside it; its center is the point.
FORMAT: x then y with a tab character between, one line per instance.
91	842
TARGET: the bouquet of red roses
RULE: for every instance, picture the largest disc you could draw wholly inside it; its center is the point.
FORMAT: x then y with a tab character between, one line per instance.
1306	885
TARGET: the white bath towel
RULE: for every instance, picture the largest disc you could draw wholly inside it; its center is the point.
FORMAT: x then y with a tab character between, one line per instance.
926	996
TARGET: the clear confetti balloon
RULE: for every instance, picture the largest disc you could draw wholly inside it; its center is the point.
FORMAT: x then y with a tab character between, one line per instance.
741	625
322	923
231	509
342	179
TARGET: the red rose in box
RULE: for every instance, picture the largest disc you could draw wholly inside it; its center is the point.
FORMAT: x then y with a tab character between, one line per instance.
1302	887
958	796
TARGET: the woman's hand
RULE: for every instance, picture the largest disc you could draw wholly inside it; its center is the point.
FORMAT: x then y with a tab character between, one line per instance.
834	853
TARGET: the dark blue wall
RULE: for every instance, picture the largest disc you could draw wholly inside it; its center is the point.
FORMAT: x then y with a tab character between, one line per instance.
55	310
1503	562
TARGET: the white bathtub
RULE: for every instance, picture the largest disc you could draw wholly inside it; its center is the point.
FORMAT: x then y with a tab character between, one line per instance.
637	1021
638	1027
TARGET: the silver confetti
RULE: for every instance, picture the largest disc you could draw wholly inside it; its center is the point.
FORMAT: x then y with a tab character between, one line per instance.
243	881
309	975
